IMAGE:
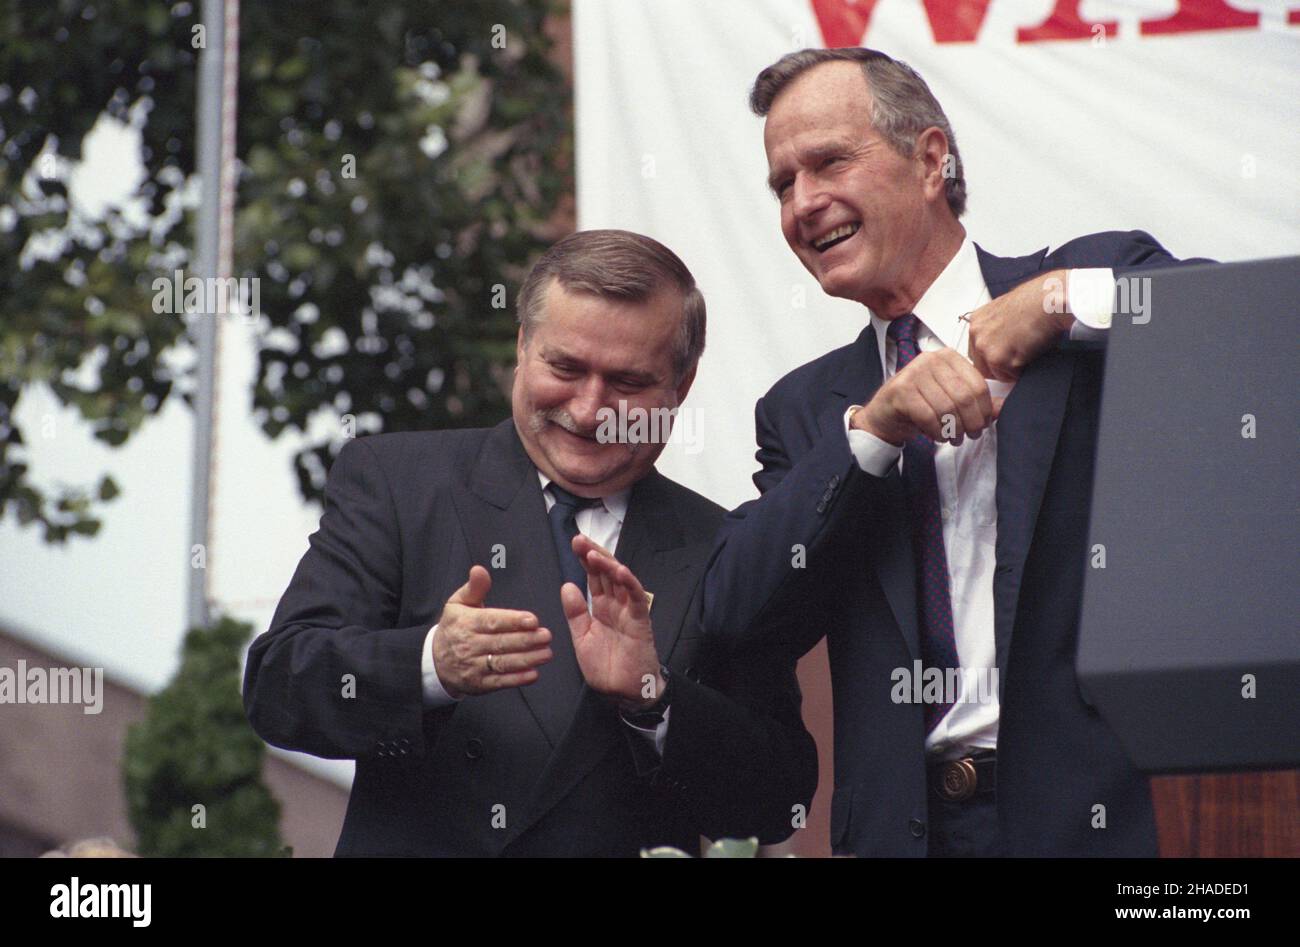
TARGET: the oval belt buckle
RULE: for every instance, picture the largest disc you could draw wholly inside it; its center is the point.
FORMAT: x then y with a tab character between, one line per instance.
957	780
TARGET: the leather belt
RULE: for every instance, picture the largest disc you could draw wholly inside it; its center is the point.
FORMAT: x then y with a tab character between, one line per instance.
958	780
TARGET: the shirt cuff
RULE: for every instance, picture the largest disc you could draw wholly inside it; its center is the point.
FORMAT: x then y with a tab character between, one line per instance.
1090	294
658	736
435	695
873	455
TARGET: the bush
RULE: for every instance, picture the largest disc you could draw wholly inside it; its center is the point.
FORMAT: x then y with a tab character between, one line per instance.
193	766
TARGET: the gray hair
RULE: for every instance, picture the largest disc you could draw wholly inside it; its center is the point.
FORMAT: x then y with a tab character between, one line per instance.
617	264
902	105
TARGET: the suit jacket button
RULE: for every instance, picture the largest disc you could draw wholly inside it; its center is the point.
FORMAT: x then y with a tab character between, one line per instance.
473	748
916	827
693	674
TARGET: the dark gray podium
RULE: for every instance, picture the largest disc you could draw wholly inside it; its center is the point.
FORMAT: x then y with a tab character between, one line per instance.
1196	510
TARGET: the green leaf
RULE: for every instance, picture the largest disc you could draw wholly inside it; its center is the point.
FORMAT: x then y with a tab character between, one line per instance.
108	488
86	527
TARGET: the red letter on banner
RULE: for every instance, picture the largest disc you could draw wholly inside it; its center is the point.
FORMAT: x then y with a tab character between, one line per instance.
844	22
1195	15
956	22
1064	22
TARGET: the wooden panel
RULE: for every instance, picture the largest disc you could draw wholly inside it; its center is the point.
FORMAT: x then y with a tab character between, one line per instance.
1232	815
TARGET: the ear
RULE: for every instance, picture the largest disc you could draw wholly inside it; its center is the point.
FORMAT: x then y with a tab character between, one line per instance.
932	152
684	386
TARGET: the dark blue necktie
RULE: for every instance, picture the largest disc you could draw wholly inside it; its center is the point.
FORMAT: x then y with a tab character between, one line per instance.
564	526
934	603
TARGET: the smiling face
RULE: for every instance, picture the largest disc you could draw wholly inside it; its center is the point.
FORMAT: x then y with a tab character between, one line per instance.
870	224
587	353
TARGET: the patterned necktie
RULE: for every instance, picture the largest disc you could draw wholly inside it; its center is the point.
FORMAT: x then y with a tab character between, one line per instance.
564	526
934	605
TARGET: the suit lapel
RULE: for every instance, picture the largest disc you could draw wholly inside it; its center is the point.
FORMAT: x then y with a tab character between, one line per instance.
1027	432
892	544
862	374
503	512
649	544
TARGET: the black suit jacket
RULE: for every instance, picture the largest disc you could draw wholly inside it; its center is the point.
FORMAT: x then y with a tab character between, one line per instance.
548	769
1057	759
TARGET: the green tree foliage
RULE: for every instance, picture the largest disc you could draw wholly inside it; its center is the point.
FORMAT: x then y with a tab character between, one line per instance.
399	165
195	748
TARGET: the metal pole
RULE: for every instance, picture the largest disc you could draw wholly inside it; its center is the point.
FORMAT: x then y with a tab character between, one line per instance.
203	324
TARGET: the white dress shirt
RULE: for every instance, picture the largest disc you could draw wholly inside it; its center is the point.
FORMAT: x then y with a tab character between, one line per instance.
602	523
967	482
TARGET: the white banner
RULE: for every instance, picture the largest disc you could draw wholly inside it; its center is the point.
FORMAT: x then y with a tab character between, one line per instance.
1072	117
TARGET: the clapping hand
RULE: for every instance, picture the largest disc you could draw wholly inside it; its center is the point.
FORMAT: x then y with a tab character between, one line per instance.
614	641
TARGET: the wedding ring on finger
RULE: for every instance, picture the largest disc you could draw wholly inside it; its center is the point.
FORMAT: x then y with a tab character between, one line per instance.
490	666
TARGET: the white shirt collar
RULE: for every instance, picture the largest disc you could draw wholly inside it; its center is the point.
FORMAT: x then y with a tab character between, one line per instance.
615	504
957	290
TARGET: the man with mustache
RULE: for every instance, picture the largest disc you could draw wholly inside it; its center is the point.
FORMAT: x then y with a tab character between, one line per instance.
940	553
438	629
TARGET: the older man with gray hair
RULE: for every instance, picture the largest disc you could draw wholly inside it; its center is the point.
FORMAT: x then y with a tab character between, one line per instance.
937	476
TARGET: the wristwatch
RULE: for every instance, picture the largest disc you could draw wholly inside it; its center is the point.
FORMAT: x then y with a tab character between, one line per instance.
650	717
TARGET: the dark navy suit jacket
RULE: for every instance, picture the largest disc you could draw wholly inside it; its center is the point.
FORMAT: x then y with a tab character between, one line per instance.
547	769
1057	759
